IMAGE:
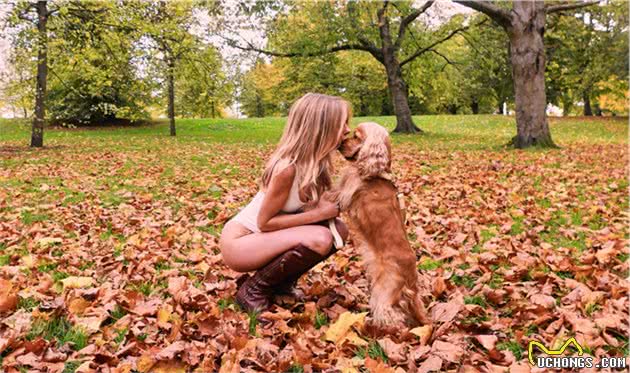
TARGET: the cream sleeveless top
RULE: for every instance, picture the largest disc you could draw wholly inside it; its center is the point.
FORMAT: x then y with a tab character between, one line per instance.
248	216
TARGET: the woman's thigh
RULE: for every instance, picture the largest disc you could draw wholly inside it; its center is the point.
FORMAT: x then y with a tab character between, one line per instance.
247	252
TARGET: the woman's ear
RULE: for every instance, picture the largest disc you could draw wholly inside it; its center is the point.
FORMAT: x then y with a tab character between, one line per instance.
373	158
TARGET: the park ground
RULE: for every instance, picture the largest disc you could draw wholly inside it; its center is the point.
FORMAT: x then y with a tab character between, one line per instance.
108	250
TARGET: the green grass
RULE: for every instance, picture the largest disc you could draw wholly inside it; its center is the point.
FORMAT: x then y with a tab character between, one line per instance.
60	330
253	322
28	304
373	350
5	260
441	131
320	319
512	346
465	280
117	313
478	300
428	264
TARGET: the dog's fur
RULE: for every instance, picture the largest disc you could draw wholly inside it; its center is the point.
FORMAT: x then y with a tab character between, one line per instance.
368	195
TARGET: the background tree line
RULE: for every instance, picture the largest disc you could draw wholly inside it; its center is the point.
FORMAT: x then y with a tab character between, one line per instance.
83	63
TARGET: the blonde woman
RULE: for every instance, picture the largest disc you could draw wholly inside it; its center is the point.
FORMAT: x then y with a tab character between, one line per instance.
272	234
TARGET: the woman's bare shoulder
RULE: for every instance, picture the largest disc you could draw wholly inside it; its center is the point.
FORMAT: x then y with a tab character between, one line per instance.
283	178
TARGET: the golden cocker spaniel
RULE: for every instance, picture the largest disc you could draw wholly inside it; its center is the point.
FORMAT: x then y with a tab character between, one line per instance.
370	199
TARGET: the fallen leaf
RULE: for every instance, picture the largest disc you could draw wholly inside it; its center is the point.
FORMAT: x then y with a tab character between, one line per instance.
8	297
74	282
424	332
338	330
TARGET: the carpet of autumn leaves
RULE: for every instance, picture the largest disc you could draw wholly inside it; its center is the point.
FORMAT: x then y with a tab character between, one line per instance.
109	257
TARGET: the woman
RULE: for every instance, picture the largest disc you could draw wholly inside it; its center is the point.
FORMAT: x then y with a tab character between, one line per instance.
273	234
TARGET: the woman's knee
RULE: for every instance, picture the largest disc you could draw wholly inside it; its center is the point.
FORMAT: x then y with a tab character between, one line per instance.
320	240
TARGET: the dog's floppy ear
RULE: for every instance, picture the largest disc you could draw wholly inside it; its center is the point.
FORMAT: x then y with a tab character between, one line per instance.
373	158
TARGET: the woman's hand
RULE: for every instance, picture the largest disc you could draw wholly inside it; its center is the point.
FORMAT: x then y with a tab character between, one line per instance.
327	209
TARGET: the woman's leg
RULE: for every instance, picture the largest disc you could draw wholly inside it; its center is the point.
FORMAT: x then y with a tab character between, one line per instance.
247	252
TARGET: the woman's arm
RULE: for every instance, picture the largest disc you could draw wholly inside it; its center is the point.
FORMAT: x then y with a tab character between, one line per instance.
270	217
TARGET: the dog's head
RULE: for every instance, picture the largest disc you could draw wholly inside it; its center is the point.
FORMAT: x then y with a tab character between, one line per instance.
370	148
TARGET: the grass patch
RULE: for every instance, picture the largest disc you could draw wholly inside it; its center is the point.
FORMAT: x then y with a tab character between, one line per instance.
46	267
296	368
5	260
477	299
517	225
28	304
145	288
29	218
253	322
60	330
320	319
117	313
512	346
373	350
465	280
71	366
59	275
428	264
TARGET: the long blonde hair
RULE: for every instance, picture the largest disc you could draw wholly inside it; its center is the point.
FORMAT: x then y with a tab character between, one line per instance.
313	128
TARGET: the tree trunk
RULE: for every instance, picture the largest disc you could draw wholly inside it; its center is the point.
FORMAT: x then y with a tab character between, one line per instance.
474	106
527	53
37	133
587	105
171	96
400	95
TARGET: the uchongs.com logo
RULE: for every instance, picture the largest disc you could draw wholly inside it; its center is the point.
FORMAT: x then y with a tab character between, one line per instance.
553	359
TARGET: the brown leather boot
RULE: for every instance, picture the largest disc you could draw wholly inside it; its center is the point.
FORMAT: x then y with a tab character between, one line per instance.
289	286
255	294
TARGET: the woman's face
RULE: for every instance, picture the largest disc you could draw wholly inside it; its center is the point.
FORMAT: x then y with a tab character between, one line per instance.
345	130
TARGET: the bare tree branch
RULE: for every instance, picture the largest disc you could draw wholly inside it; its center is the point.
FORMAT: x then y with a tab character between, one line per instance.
421	51
569	6
344	47
449	62
499	15
407	20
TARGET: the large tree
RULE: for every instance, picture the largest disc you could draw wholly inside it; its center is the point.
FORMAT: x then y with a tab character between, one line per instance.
525	27
382	29
58	33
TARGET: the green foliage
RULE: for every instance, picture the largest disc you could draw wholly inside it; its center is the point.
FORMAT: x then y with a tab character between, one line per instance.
587	53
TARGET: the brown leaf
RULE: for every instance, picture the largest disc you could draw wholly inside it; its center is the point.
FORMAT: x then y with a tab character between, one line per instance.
431	364
447	351
487	341
545	301
8	296
424	332
171	351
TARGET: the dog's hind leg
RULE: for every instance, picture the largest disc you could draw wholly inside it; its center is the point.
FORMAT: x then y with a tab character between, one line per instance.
384	304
